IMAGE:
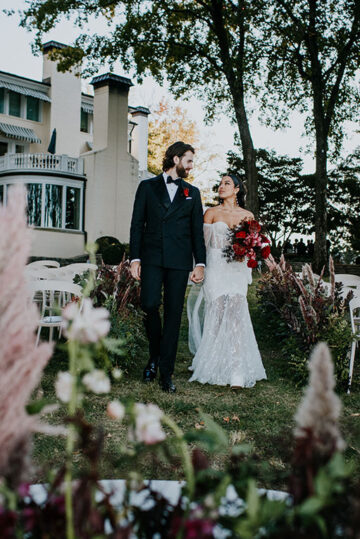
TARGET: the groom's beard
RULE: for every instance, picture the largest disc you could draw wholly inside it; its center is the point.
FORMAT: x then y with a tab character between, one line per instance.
180	171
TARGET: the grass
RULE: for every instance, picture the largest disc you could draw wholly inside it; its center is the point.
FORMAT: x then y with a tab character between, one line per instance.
261	416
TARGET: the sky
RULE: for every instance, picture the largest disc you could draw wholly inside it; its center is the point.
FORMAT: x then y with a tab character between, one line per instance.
17	58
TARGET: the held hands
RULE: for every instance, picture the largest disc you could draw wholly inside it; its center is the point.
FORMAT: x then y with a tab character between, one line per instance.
197	274
135	270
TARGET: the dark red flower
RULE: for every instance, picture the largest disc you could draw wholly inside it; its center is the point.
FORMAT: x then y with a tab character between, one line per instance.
199	529
254	226
252	263
265	251
239	250
264	238
186	191
241	234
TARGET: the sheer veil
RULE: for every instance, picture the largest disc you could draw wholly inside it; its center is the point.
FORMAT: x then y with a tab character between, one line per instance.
196	304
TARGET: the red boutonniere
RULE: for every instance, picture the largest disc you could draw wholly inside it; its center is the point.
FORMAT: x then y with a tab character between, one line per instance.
186	191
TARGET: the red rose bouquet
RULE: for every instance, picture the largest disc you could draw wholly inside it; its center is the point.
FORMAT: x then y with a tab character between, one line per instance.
247	242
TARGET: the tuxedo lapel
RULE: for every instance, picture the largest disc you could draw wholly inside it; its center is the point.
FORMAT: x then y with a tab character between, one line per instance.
161	191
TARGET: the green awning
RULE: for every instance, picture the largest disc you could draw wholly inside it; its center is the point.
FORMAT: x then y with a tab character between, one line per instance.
19	133
25	90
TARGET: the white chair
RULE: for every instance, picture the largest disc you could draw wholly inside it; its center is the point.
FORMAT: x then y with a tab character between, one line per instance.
54	296
81	267
354	306
71	270
42	263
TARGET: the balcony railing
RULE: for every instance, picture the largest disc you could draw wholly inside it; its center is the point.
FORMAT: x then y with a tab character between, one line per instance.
42	161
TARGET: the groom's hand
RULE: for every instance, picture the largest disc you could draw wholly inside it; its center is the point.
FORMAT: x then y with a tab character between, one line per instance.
135	269
197	274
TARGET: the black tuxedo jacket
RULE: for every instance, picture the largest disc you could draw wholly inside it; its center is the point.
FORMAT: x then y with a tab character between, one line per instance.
167	234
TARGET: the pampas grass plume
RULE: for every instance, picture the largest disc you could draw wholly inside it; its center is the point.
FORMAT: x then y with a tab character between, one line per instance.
21	363
320	408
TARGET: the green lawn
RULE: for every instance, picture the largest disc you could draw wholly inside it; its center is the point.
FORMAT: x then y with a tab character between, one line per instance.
261	416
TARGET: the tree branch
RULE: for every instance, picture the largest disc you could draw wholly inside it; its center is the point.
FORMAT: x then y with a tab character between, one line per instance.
341	61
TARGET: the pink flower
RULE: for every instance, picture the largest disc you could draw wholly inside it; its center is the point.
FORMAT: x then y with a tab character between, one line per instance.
97	382
115	410
63	386
148	429
87	325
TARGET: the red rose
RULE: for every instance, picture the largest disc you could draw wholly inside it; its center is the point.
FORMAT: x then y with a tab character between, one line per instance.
265	251
254	226
252	263
264	238
186	191
238	249
241	234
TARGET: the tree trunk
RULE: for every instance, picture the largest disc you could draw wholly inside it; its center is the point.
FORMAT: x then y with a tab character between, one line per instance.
320	249
249	156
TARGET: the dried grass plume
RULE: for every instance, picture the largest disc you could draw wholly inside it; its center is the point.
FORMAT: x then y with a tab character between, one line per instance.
21	363
319	411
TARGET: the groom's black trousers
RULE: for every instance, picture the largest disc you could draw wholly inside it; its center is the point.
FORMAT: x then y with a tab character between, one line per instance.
163	341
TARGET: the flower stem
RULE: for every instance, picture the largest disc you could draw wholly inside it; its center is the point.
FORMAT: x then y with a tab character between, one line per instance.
185	456
70	534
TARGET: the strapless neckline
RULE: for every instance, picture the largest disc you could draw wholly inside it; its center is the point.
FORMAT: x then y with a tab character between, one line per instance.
218	222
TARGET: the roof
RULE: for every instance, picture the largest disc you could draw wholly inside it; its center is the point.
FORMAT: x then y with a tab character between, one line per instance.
139	110
110	79
19	133
47	84
49	45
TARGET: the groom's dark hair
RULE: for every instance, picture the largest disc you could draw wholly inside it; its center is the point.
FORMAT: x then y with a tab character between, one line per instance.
178	148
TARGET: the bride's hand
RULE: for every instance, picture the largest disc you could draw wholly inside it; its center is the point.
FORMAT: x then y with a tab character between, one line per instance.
197	274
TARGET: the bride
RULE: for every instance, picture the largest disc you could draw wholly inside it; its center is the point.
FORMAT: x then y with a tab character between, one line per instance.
220	330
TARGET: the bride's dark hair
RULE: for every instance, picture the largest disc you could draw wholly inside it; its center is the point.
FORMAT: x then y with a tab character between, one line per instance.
241	194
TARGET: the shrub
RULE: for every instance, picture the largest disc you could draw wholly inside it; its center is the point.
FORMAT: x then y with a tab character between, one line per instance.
104	242
113	254
306	310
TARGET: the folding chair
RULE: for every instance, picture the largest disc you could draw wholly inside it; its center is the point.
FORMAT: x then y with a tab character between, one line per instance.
354	306
55	295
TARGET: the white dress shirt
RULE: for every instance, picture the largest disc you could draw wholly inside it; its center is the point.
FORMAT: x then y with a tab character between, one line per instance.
171	189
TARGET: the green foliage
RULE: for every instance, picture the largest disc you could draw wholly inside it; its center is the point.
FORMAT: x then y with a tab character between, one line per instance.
114	254
104	242
284	199
127	326
312	64
287	198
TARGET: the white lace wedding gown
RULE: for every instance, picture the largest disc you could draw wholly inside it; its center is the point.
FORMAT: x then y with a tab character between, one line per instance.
220	330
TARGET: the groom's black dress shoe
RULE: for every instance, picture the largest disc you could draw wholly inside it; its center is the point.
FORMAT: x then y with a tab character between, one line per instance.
150	371
167	385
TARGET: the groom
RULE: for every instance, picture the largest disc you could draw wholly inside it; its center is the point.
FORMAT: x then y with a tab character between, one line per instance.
166	234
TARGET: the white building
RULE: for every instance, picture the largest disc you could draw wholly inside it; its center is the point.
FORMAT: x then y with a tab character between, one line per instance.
85	187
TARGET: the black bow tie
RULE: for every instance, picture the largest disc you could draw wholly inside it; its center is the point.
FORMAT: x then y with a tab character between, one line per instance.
170	180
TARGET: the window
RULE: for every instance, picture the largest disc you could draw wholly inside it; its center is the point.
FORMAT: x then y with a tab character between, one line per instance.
53	206
73	199
19	148
84	121
34	203
33	109
2	100
14	104
3	148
